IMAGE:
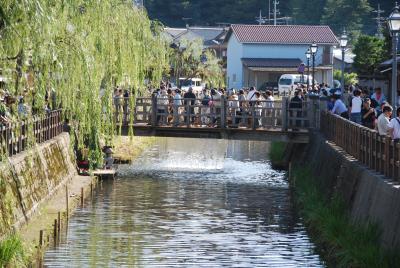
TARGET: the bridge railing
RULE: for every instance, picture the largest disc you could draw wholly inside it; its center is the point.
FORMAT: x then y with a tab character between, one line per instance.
14	136
380	153
220	113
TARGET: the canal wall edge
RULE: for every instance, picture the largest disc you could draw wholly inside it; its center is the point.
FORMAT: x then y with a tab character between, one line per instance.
30	178
369	196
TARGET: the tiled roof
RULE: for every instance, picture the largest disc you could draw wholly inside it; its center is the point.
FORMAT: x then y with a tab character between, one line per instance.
191	33
175	31
283	34
265	62
206	33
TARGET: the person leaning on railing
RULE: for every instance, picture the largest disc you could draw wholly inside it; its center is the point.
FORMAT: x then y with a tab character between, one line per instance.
394	126
339	107
383	120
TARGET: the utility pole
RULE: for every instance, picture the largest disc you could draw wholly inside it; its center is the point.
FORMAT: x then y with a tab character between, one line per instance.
379	21
260	19
275	10
269	11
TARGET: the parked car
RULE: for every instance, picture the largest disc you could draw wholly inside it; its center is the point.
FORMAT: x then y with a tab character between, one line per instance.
287	82
194	83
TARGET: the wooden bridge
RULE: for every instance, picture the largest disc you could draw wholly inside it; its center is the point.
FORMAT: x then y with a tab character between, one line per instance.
222	119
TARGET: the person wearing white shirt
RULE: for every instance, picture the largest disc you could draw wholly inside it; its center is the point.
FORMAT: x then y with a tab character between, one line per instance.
394	126
251	96
383	120
177	106
355	107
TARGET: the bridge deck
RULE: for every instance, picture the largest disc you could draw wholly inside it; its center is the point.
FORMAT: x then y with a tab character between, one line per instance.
270	134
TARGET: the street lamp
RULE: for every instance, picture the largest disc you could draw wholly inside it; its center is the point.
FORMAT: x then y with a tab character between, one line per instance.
314	50
394	26
343	44
308	56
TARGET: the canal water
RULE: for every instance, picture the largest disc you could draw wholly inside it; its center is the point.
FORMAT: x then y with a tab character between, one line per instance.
190	203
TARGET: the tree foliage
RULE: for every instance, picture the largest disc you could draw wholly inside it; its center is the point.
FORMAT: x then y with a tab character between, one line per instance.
207	12
82	50
349	78
349	14
189	60
354	15
370	52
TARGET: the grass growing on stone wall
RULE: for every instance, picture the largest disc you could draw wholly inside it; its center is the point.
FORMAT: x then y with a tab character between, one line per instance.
128	148
277	151
12	252
342	243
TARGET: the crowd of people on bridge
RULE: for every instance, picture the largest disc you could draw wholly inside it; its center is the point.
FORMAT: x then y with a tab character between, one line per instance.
246	107
204	107
367	107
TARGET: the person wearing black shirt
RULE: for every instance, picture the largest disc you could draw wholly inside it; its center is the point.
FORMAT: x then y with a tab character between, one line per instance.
190	96
296	104
368	114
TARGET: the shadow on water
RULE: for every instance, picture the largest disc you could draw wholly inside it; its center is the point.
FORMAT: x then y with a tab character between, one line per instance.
190	203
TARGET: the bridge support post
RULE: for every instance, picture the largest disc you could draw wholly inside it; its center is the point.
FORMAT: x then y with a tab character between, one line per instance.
154	110
223	112
284	113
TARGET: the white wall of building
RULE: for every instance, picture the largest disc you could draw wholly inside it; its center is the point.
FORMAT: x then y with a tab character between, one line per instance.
237	78
278	51
234	63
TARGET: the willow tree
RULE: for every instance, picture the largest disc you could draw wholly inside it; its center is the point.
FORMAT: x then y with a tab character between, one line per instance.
82	50
190	60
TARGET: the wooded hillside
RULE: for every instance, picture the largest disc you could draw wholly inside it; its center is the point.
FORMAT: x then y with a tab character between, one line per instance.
356	15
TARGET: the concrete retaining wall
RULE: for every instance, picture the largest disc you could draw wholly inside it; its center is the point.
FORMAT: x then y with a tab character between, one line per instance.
369	196
29	178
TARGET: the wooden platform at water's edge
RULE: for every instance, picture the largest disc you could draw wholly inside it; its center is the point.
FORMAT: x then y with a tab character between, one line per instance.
105	173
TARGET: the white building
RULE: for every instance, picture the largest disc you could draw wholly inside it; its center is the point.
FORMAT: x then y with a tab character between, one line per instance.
262	53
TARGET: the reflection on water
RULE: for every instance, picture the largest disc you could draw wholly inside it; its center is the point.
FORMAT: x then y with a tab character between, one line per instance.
190	203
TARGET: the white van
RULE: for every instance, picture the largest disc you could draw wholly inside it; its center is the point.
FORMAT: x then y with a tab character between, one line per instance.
194	83
287	82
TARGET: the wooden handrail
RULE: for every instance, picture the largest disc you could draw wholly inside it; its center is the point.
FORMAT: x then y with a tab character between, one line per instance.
14	136
223	112
379	153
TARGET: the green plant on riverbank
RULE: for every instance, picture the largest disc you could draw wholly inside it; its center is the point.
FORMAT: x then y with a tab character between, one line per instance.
12	252
77	52
343	243
277	151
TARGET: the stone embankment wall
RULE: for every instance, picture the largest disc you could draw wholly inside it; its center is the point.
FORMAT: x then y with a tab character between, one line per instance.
29	178
369	197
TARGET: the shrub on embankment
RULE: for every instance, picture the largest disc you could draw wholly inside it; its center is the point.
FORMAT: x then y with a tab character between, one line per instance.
277	155
12	252
342	243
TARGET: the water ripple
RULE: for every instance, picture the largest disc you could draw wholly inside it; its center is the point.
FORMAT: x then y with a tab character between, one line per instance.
235	214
